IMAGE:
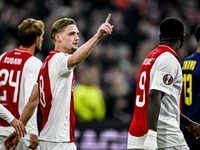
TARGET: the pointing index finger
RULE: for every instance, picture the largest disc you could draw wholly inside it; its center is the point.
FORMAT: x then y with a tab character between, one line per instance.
108	18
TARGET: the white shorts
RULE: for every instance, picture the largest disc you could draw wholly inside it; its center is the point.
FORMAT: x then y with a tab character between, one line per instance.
23	144
175	148
44	145
169	148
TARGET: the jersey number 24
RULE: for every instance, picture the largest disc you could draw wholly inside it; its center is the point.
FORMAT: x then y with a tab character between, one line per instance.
9	79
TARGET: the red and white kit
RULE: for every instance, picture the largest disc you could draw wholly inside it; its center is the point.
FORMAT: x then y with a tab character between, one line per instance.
55	84
18	73
160	70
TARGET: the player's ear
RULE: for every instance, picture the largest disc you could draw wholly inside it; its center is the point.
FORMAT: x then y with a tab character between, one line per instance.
57	38
37	39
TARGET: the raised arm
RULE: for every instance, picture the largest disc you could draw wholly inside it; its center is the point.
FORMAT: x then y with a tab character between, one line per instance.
81	53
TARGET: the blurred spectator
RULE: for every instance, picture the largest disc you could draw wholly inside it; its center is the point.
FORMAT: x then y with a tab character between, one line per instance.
89	104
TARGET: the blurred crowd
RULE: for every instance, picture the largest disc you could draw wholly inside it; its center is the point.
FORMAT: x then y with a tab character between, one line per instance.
116	59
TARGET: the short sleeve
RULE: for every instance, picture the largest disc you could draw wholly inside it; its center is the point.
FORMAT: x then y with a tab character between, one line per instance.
60	63
163	73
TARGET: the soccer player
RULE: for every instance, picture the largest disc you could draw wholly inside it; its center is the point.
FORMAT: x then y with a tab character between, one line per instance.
19	69
55	86
156	118
18	125
191	92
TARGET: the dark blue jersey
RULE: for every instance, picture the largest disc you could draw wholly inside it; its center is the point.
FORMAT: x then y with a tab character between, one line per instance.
191	89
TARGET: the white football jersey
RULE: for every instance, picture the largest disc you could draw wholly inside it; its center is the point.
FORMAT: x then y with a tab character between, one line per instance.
55	85
160	70
166	76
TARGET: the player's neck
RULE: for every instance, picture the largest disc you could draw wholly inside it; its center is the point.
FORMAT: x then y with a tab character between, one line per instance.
174	45
198	50
30	48
61	49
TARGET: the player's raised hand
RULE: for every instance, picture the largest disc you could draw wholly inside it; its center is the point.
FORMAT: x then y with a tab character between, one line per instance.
106	28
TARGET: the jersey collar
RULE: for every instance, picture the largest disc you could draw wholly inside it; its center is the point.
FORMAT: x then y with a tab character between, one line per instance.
54	51
171	49
23	50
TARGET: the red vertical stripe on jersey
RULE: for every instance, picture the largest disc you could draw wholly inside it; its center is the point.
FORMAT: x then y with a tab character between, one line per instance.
72	113
11	67
44	89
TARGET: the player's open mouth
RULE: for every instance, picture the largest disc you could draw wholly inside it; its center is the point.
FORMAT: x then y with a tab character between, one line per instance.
75	44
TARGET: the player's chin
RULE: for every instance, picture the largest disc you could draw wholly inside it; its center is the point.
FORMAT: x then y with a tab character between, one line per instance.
39	47
74	49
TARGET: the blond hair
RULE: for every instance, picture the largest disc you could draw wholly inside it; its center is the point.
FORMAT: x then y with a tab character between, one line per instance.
59	26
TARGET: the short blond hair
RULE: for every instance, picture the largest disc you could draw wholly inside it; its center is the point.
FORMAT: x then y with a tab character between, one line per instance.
59	25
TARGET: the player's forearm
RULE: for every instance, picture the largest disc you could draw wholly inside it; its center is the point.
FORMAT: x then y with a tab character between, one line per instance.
31	126
152	116
153	109
184	120
85	49
82	52
30	106
27	113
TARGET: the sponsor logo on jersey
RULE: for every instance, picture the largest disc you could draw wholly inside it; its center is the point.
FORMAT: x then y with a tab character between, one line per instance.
167	79
16	53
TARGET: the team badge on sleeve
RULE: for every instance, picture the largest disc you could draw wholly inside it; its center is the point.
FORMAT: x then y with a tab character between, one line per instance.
168	79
